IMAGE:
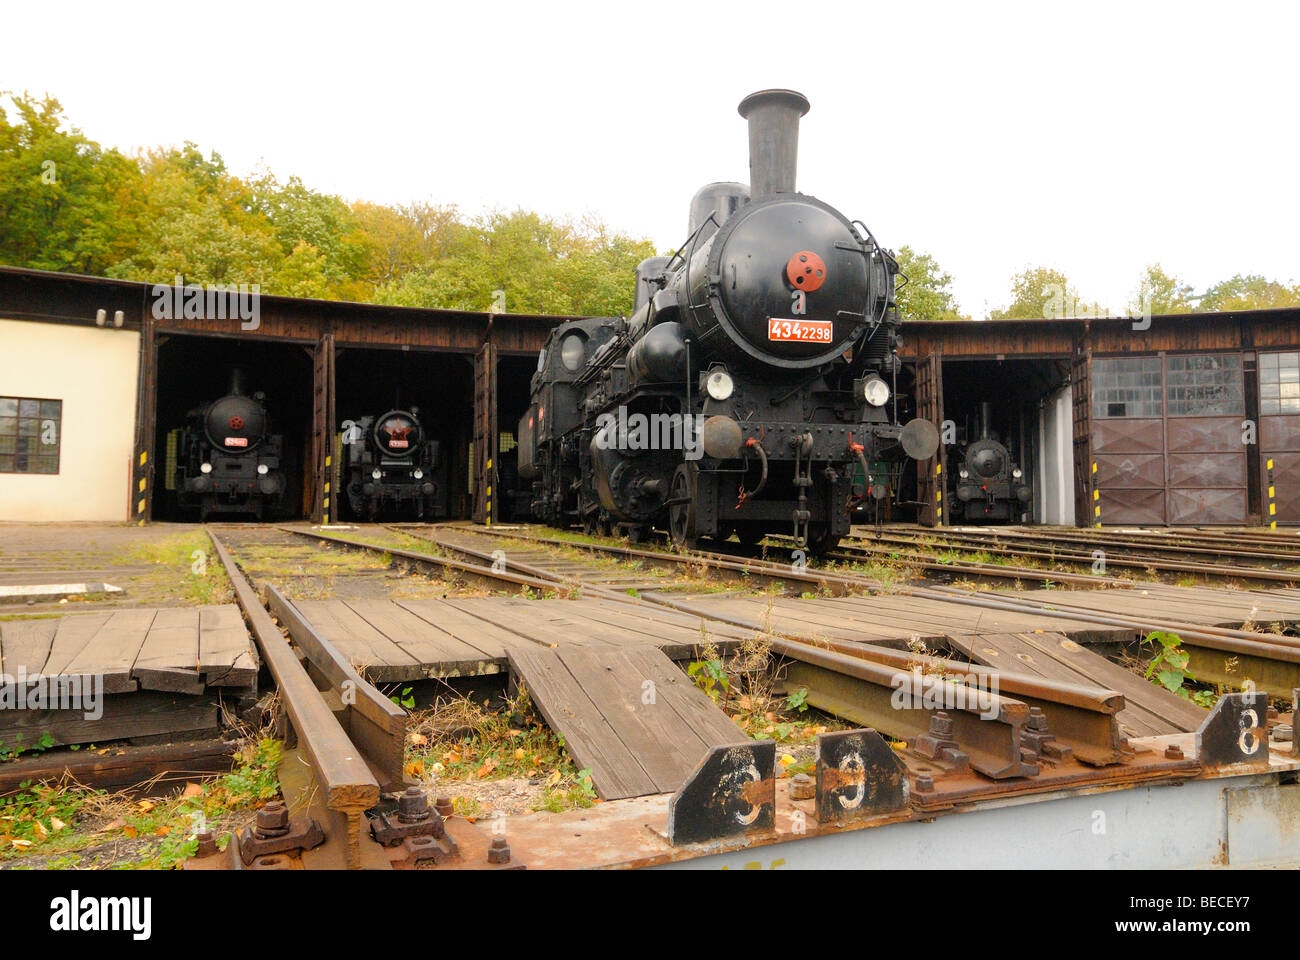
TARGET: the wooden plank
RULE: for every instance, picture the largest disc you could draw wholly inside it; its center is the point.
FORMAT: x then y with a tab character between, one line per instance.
436	652
486	637
111	652
25	646
566	707
692	704
70	638
124	767
141	714
369	651
525	627
666	747
169	657
225	651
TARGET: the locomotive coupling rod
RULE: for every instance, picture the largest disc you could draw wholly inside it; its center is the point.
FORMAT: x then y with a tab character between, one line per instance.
346	783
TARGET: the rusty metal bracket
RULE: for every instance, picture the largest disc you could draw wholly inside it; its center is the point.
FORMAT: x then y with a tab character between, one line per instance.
732	793
1235	732
411	817
858	776
277	832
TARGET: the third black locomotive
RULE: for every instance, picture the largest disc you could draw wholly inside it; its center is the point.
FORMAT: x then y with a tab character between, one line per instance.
989	482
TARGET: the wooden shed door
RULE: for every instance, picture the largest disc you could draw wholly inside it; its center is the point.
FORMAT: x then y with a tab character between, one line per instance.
485	433
322	434
929	406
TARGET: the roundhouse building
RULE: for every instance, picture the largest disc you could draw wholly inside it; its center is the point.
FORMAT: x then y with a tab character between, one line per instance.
1189	419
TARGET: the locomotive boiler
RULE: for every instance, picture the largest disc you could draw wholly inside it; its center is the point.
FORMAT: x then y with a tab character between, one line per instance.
227	460
990	484
389	466
756	376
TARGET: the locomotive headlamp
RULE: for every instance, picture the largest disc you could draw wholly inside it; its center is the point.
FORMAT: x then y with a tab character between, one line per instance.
418	473
205	467
719	384
571	351
376	473
1016	473
871	390
263	469
963	473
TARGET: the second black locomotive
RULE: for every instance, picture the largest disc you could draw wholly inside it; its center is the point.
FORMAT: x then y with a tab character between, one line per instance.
228	460
390	466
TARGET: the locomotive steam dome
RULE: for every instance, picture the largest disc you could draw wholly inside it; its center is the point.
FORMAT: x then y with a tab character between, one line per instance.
398	433
235	424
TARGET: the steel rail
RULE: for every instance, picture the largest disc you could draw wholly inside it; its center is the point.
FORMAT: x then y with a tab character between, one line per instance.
346	781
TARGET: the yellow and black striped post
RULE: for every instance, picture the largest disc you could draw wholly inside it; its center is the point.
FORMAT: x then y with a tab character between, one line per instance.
938	494
1272	500
487	505
143	486
1096	498
325	498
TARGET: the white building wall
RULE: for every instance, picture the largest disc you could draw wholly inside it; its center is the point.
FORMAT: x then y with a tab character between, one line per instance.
94	372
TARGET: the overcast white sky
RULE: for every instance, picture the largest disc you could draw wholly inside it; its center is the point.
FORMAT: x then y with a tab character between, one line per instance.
1093	137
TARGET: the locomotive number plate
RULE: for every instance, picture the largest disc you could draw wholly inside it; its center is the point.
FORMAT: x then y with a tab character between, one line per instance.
802	331
399	444
236	441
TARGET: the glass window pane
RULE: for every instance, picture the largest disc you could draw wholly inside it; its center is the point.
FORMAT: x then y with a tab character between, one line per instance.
1267	407
52	408
29	408
8	407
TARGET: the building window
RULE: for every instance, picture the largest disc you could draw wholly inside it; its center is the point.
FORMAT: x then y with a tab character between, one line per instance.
1126	387
30	433
1279	383
1204	386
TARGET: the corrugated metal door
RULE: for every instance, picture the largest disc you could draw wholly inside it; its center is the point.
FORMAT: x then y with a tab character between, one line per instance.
1167	439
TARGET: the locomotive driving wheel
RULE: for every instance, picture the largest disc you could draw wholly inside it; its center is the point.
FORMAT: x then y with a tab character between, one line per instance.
681	512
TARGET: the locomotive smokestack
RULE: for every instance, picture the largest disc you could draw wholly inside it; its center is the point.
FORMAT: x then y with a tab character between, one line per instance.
238	381
986	418
773	117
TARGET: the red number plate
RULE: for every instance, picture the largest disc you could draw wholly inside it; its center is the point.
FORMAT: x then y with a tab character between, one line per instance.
802	331
399	444
236	441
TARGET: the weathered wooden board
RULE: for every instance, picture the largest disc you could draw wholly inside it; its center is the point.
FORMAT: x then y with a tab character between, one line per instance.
625	712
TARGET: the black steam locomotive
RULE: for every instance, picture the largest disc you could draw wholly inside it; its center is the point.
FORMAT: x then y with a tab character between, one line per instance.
990	485
227	458
757	372
389	466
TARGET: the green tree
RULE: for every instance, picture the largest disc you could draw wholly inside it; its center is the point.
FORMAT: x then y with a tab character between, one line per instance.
927	294
1160	292
1044	292
1251	292
60	193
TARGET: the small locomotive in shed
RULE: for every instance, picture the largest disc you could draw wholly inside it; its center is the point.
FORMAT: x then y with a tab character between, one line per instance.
390	466
757	374
228	460
989	483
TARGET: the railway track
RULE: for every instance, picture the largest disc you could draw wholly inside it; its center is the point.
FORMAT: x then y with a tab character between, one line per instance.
1087	552
1046	734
